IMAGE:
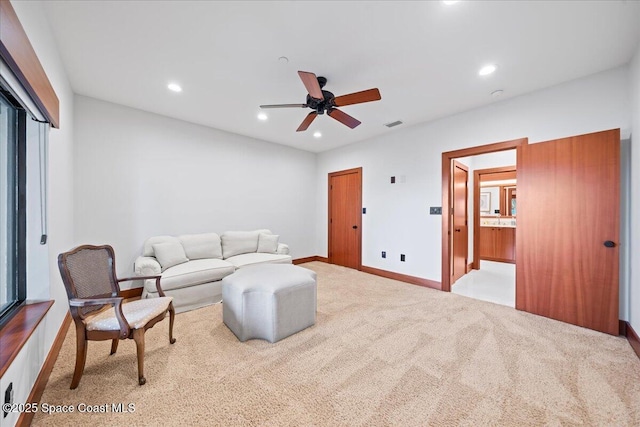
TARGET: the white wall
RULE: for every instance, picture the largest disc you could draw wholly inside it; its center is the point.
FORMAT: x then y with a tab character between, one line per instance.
139	175
398	219
26	366
634	284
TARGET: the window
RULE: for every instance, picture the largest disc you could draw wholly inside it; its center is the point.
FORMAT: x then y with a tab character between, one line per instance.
12	204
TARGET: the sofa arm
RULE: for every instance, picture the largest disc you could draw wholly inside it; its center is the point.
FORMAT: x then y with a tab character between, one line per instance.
147	266
283	249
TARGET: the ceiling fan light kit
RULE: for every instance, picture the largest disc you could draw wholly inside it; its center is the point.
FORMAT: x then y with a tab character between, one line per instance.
321	101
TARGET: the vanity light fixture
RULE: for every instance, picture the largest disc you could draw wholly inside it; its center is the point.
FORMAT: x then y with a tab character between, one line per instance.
174	87
487	69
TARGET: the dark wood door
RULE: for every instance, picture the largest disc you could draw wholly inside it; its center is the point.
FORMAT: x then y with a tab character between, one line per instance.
345	218
460	233
568	230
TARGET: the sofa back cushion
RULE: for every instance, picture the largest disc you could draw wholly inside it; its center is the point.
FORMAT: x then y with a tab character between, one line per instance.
240	242
268	243
169	254
148	244
201	246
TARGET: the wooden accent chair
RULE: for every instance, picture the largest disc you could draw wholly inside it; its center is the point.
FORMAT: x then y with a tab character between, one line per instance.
89	275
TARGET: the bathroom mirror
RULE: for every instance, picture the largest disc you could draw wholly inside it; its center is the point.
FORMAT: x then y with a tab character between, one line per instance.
509	207
499	200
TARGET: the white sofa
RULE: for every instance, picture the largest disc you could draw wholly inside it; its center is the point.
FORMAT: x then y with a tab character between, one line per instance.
192	266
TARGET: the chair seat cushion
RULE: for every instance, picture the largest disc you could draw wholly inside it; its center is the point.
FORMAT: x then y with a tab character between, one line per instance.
254	258
136	313
194	272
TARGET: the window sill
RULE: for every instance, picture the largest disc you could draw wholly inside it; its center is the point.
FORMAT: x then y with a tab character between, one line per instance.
16	332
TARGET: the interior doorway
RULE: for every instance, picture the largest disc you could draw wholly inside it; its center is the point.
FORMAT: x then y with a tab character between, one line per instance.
568	229
345	218
494	217
491	275
448	159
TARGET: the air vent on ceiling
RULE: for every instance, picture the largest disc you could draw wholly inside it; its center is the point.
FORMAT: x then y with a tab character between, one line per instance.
392	124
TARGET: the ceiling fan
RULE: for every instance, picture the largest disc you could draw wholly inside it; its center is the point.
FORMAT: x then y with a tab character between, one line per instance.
322	100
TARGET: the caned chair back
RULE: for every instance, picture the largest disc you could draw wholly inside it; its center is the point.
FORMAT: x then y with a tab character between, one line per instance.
89	272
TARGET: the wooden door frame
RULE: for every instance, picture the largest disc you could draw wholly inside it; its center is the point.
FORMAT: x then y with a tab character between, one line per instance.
357	171
476	207
447	161
465	168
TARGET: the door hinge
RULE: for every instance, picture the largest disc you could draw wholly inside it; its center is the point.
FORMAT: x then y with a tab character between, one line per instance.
331	221
331	187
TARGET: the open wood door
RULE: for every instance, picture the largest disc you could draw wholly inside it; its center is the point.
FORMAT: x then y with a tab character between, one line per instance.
568	230
460	239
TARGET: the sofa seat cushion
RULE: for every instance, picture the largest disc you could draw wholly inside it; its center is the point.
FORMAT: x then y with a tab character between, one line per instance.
240	261
192	273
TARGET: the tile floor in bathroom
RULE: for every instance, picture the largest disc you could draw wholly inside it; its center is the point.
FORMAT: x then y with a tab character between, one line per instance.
494	282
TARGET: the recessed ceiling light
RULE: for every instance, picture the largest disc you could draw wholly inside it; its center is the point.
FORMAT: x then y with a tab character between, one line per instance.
317	134
174	87
449	2
497	93
283	60
487	69
262	116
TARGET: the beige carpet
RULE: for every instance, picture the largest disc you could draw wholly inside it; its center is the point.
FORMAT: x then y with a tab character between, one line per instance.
381	353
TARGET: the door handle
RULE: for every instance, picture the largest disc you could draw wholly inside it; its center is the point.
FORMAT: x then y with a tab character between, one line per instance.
354	227
457	230
610	244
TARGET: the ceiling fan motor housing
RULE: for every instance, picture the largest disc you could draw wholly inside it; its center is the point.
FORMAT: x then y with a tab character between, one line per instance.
320	106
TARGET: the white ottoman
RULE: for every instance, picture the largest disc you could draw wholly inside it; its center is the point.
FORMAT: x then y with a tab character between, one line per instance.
269	301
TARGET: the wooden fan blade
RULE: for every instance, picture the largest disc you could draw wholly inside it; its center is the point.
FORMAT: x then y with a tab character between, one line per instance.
307	121
284	106
343	118
310	82
357	98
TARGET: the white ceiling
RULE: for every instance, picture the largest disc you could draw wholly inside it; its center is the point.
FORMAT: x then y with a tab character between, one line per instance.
423	56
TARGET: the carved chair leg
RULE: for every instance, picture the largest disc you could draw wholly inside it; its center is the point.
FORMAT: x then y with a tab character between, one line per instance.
81	356
172	315
114	346
138	337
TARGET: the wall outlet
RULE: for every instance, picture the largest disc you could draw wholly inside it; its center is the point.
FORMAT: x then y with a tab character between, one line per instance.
393	179
384	254
435	210
402	257
364	210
